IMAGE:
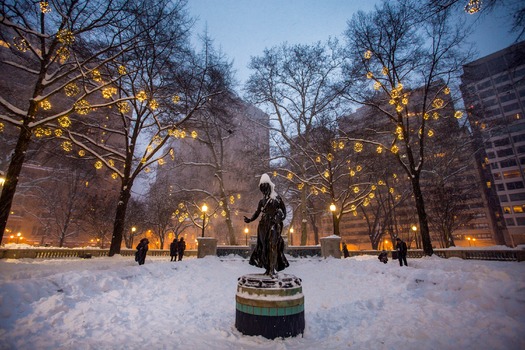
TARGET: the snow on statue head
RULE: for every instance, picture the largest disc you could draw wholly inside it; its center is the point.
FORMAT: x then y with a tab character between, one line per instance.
267	186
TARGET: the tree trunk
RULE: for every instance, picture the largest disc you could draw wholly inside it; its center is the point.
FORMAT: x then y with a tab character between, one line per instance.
449	239
120	218
422	215
336	220
304	231
12	176
315	229
231	232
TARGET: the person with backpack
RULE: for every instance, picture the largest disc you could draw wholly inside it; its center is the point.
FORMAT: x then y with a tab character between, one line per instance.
142	250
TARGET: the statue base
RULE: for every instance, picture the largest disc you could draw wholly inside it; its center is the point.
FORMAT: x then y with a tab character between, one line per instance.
270	306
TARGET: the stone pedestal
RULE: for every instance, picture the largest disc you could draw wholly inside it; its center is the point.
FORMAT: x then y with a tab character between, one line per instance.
330	246
271	307
207	246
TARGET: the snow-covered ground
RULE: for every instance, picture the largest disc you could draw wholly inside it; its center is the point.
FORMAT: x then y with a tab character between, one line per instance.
355	303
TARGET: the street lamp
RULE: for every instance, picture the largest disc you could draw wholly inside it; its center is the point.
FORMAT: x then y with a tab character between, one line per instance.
468	239
18	237
333	209
204	209
246	233
414	229
291	235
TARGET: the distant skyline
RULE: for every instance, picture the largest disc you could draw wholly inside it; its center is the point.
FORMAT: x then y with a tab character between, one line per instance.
244	28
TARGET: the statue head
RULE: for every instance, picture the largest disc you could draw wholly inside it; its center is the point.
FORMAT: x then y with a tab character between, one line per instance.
267	187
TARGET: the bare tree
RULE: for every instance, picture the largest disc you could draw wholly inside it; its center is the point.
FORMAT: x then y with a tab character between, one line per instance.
452	171
62	204
166	210
56	48
220	127
410	64
98	219
159	85
295	86
136	221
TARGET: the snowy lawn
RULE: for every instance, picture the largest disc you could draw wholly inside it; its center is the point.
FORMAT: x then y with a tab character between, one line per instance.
356	303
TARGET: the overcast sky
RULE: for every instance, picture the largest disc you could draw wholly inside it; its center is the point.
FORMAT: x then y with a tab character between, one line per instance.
244	28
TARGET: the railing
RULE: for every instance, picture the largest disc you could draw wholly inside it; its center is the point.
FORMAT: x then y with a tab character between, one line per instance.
75	253
243	251
499	255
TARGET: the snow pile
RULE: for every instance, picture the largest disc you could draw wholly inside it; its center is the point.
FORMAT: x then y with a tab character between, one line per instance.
360	303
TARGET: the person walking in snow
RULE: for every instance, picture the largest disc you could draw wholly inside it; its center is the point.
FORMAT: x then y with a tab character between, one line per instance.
142	250
181	248
401	248
174	249
345	251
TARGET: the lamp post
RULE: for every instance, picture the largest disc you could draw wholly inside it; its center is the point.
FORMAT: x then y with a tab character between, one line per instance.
333	208
291	235
468	239
414	229
133	230
18	237
204	209
246	234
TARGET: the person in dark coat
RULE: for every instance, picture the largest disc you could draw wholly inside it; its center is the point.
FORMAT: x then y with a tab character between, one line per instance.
345	251
383	257
401	248
142	250
181	248
269	249
174	249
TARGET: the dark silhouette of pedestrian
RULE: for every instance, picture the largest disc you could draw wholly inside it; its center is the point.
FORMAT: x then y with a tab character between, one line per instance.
174	249
401	248
142	250
269	250
345	250
383	257
181	248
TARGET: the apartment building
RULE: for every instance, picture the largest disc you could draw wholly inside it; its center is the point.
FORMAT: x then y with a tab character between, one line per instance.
493	89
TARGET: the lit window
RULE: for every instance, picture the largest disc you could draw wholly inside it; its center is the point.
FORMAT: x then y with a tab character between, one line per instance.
517	209
506	210
511	174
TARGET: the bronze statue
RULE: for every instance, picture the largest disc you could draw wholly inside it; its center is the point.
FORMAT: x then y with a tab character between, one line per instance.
269	250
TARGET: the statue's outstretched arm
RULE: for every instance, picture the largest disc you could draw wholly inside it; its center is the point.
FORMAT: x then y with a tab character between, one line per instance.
256	214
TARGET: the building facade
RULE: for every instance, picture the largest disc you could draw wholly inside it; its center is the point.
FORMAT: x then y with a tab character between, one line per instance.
493	89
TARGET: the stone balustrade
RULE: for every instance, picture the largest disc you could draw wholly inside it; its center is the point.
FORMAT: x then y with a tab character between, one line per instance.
244	251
